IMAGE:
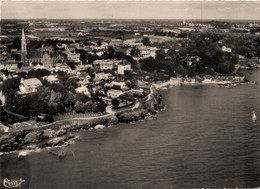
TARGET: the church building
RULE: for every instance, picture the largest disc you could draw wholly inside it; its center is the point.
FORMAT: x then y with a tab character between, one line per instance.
45	55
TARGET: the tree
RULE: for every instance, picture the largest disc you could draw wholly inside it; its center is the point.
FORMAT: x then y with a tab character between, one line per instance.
225	68
18	104
109	54
160	55
146	41
135	51
82	97
252	31
17	43
71	65
10	87
115	102
101	106
99	43
83	55
88	106
92	57
45	94
148	64
181	70
38	73
20	65
182	35
119	55
17	57
95	97
86	42
34	44
79	107
72	82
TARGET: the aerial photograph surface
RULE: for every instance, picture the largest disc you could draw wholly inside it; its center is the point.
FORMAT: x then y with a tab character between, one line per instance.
129	94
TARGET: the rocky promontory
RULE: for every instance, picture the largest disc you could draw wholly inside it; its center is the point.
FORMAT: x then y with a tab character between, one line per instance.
63	132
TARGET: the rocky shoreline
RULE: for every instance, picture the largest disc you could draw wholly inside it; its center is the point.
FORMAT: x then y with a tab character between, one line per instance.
63	132
205	80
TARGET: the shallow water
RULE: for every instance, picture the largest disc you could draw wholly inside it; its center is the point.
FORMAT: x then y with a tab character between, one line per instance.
205	138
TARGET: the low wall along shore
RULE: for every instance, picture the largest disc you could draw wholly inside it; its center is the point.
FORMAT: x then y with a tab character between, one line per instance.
206	80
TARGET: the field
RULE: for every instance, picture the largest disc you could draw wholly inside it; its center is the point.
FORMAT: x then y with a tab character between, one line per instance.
160	39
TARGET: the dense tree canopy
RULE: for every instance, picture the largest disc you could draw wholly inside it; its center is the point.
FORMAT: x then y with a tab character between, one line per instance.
135	51
146	41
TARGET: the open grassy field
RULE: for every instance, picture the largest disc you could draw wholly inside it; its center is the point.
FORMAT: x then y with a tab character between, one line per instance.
160	39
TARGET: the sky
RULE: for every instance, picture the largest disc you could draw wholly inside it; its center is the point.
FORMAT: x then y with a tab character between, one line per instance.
248	10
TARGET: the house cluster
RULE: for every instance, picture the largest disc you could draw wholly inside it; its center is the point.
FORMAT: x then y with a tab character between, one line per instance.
127	45
92	48
244	62
108	80
7	61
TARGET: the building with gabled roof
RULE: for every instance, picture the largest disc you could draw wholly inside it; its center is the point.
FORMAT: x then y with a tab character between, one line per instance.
106	64
113	93
29	85
10	65
51	78
123	66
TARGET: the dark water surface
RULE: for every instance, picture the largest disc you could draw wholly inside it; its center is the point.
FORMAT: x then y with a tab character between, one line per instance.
205	138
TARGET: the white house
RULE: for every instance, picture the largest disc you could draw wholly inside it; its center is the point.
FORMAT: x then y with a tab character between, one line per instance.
75	57
123	66
148	51
100	52
51	78
114	93
84	66
102	75
121	84
225	49
9	65
84	90
29	85
84	78
62	67
107	64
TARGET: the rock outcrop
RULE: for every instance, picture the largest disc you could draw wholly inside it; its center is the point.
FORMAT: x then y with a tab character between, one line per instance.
60	132
31	137
57	140
99	126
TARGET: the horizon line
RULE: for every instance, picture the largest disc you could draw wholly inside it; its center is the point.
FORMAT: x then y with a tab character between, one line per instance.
198	19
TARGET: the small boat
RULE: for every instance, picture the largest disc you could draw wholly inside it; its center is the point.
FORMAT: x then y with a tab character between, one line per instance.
253	116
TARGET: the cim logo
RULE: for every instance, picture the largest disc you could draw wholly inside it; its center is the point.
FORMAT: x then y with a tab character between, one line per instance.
8	183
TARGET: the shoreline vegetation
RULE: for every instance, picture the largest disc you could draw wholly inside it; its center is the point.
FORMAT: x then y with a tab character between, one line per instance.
63	132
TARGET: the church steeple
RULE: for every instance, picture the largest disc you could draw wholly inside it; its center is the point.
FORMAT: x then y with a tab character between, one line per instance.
23	48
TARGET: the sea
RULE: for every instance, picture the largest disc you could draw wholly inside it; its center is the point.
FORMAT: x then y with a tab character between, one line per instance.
205	138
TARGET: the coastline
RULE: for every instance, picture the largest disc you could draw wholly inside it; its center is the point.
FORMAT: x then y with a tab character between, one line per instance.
63	132
206	80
